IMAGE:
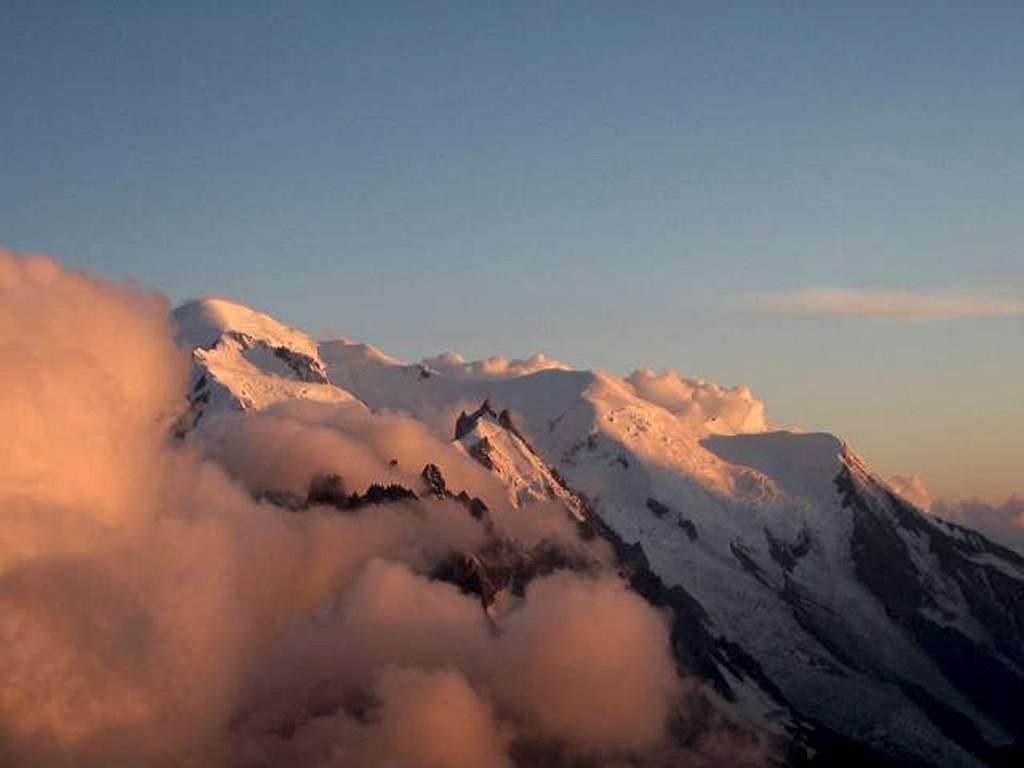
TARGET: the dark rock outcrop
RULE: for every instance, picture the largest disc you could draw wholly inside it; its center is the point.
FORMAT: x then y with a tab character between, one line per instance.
785	553
466	423
657	508
330	490
687	527
437	486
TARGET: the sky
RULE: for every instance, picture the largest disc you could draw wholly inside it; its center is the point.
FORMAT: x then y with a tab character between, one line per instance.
821	201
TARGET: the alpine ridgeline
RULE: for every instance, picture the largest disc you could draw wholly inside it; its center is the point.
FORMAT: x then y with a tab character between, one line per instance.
828	611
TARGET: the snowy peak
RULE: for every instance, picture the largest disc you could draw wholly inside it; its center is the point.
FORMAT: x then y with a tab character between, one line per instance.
244	359
495	442
202	322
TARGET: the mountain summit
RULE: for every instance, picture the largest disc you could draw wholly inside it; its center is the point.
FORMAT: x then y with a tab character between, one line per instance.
245	359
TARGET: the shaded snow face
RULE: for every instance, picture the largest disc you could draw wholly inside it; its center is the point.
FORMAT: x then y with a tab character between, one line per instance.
152	613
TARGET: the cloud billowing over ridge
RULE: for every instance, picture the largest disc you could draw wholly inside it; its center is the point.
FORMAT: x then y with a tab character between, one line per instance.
913	489
455	365
1002	523
151	612
699	401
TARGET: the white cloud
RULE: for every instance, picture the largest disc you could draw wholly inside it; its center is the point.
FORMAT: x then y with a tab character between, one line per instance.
912	488
152	613
1003	523
884	303
455	365
699	401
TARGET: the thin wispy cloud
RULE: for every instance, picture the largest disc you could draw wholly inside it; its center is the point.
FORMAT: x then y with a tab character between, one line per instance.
883	303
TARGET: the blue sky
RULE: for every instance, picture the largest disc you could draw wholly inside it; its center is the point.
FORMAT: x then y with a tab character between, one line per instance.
609	183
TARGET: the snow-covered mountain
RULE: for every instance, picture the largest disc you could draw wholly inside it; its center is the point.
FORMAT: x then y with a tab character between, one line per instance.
829	610
245	359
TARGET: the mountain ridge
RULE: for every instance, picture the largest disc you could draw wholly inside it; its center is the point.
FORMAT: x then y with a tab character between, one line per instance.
825	607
